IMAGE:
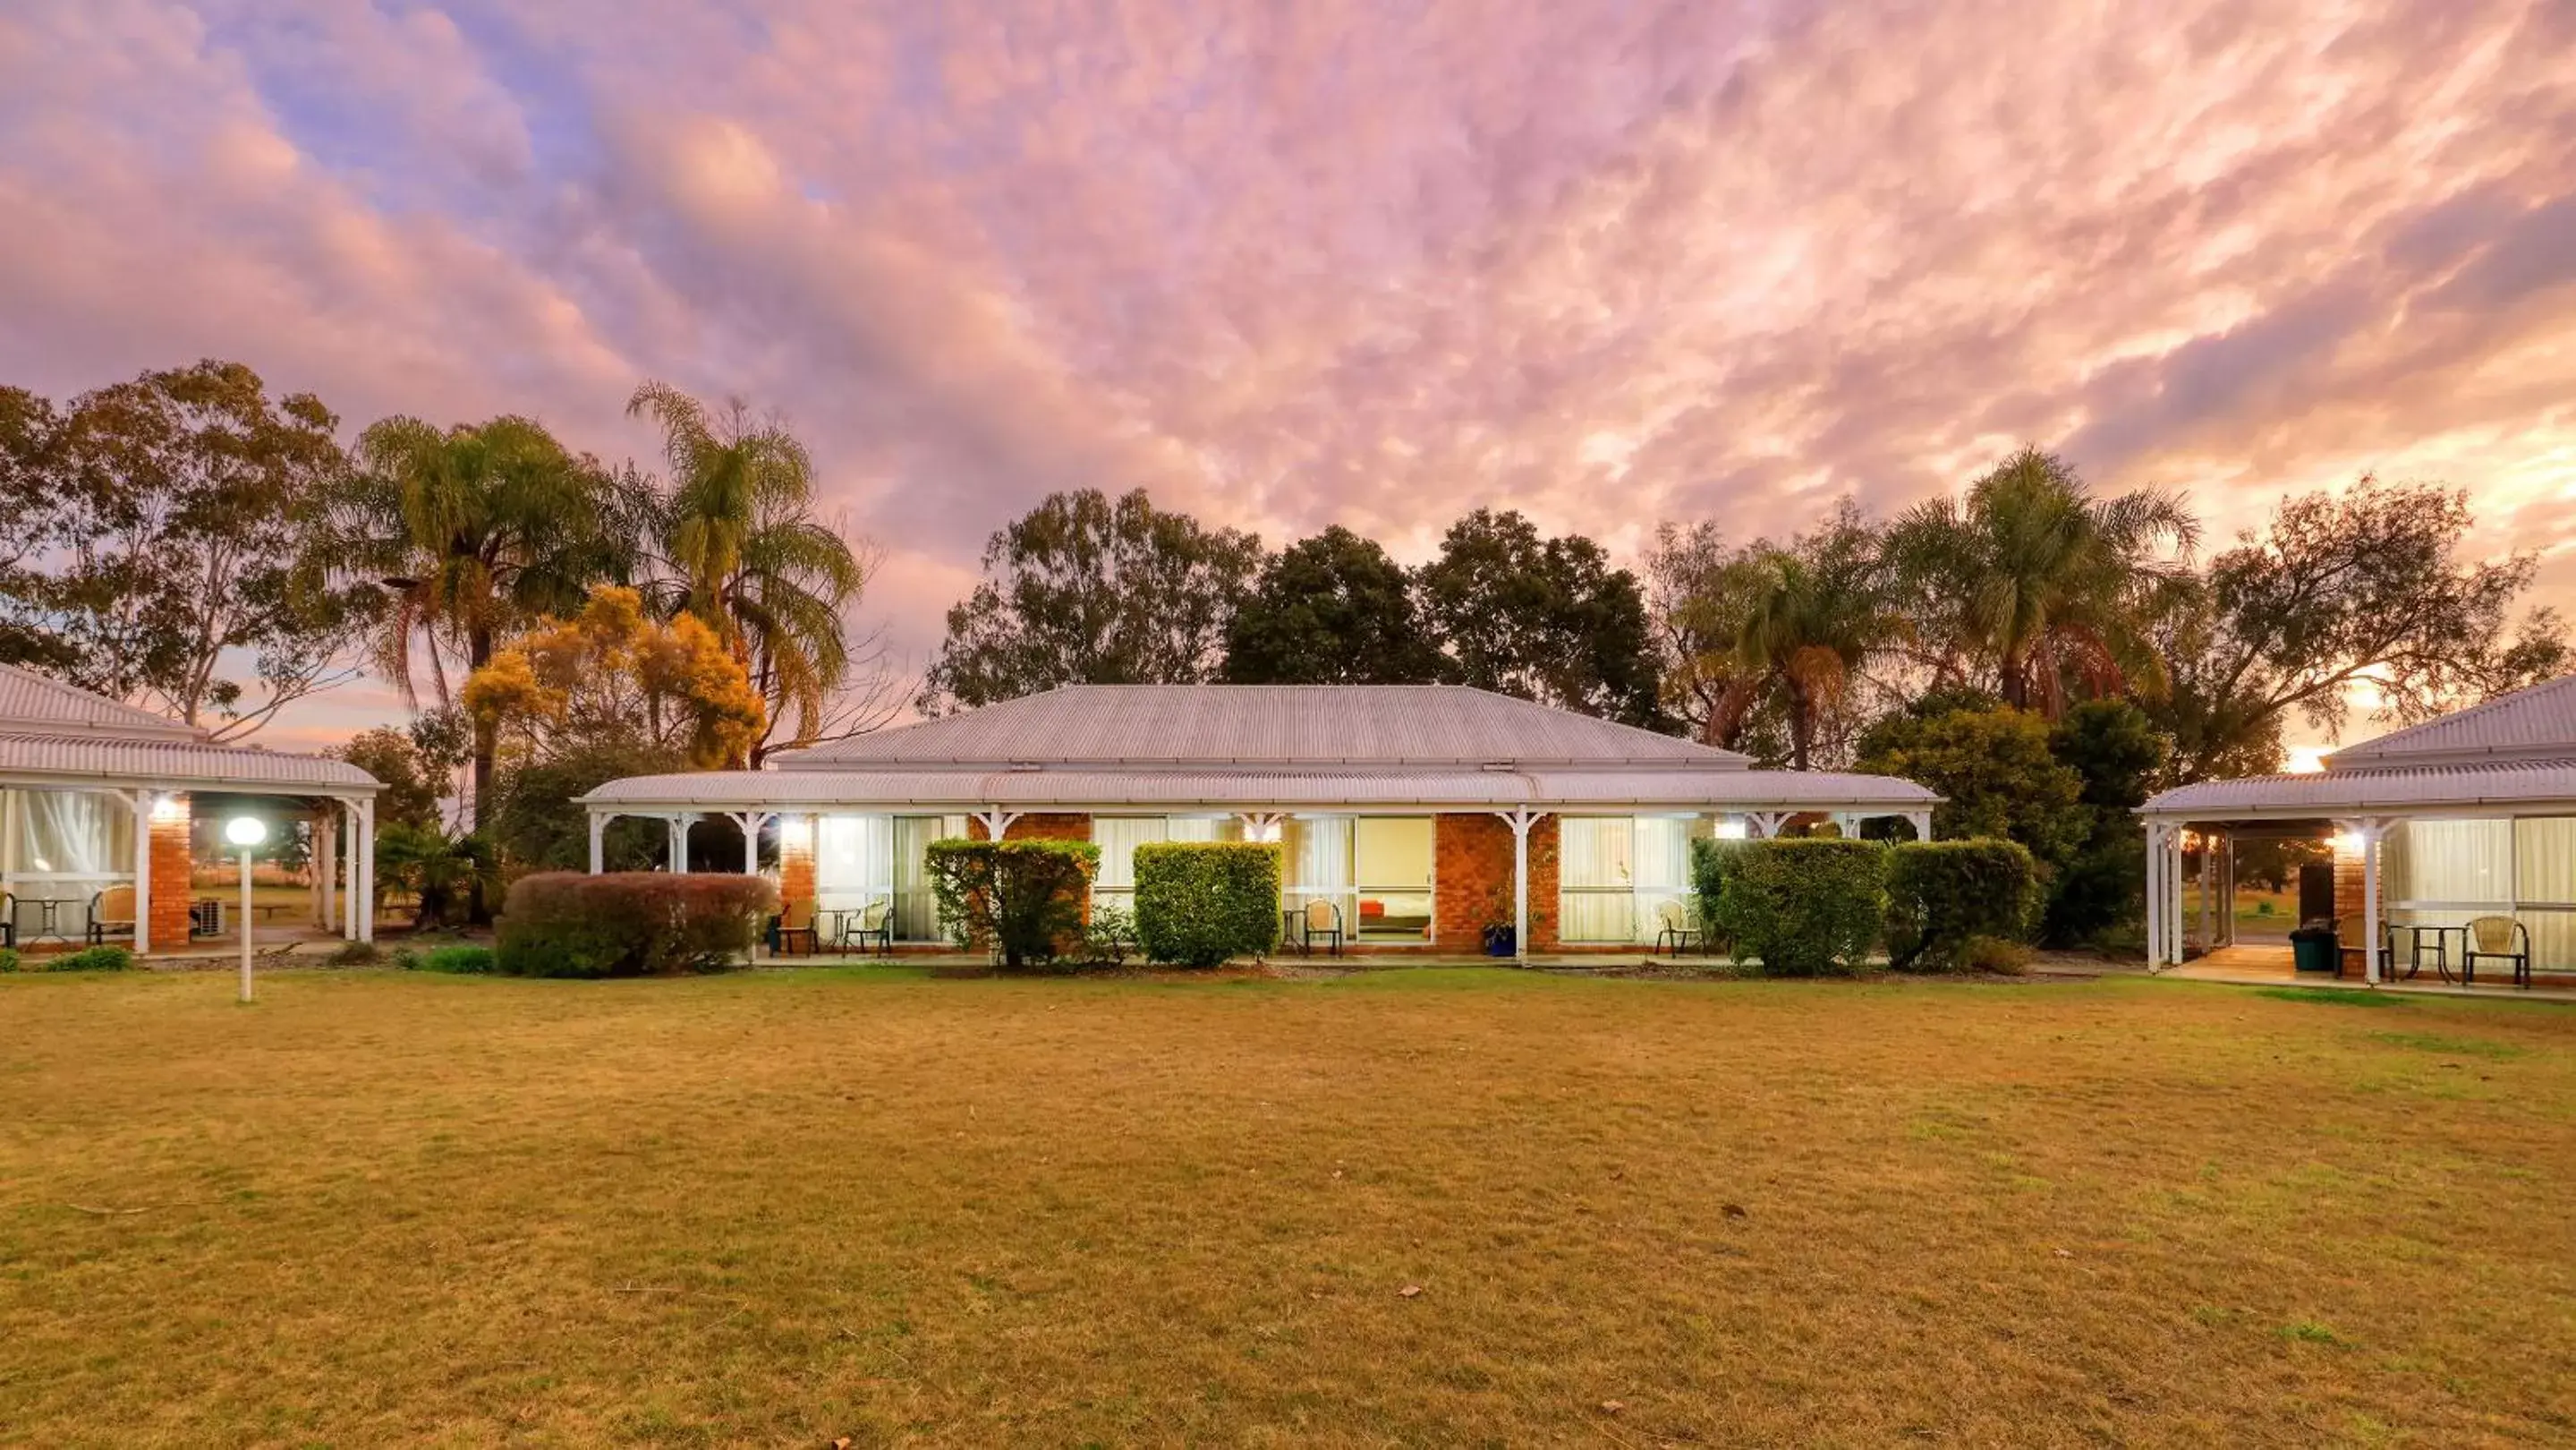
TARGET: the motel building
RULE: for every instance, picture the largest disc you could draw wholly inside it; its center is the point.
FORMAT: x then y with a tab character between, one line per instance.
2453	848
1410	817
107	812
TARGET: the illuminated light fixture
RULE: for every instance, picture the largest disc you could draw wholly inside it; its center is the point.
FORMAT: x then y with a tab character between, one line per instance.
167	808
2347	843
1730	828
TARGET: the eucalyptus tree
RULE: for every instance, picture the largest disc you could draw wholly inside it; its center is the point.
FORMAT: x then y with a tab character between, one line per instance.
2032	582
474	532
736	531
1544	618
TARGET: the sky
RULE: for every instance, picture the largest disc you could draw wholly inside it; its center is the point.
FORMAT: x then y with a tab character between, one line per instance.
1609	262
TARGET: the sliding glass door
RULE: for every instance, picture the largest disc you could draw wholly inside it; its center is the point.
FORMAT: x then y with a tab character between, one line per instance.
1616	873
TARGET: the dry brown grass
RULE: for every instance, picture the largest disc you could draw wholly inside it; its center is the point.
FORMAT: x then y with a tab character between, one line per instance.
774	1209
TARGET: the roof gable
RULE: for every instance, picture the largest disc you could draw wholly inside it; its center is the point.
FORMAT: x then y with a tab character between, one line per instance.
1230	725
2534	723
32	704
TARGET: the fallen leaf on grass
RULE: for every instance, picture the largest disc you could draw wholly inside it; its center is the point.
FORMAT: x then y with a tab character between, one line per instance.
1612	1407
1410	1291
1735	1210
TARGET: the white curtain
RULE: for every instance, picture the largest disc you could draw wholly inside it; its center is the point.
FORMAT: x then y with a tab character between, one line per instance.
2466	865
1118	837
1597	878
2544	854
1663	867
74	833
1197	828
916	906
1316	851
853	861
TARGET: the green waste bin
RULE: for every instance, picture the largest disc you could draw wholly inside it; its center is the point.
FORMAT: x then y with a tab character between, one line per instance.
2313	949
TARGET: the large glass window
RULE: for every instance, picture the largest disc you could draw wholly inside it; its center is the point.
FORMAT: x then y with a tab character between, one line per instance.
69	836
1119	836
861	859
1391	874
1615	873
1315	856
2447	873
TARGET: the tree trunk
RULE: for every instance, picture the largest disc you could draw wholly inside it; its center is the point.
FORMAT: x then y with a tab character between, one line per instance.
1802	727
2015	684
478	651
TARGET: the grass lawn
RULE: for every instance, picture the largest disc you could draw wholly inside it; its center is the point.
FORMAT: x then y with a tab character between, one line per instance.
1420	1207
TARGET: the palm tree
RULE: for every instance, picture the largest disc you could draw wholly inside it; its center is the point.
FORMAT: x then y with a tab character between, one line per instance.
1803	622
747	556
474	530
2033	578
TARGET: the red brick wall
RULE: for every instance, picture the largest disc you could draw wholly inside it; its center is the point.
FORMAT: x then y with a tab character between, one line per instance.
171	865
1472	880
796	861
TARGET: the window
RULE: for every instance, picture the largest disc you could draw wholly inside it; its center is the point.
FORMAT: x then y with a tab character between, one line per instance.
1119	836
69	836
2445	873
1391	875
1614	873
860	859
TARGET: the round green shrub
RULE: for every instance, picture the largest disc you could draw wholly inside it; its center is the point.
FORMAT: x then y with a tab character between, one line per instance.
1204	903
1803	908
1943	896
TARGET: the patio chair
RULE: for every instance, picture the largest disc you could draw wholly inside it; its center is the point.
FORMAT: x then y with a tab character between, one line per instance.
2497	939
111	912
8	919
793	926
1678	924
2387	949
1322	922
876	927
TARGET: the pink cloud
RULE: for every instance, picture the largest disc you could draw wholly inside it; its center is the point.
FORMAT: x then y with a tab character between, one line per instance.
1297	265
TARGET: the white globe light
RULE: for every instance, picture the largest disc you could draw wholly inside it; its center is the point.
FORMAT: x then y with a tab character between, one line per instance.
245	830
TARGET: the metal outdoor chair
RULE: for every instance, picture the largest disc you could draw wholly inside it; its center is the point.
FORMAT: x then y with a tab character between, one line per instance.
793	927
876	927
8	919
2387	949
1322	922
2497	939
1676	924
111	912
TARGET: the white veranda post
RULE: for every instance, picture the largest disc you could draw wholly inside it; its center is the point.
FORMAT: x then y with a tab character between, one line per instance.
678	831
364	859
751	822
2371	832
996	821
141	800
1520	819
2155	863
1763	825
598	842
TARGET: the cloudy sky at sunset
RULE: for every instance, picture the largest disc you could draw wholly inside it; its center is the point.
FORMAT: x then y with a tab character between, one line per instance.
1376	264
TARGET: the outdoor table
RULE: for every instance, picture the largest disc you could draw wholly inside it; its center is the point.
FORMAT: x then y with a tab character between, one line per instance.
2441	947
1290	939
49	911
832	925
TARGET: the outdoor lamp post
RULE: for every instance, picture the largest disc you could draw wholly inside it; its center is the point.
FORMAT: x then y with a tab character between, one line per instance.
246	832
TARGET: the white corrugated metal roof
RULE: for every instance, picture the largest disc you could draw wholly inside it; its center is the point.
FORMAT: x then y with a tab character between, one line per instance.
32	704
2415	789
1704	789
2538	722
37	759
1278	725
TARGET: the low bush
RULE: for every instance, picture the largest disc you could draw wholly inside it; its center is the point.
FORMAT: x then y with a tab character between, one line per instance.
457	960
1999	955
1204	903
87	959
1803	907
629	924
1109	938
8	959
1944	895
1022	900
353	954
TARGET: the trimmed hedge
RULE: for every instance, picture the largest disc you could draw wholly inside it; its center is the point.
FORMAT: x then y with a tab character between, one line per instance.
1022	900
1204	903
1710	861
1942	896
1803	907
630	924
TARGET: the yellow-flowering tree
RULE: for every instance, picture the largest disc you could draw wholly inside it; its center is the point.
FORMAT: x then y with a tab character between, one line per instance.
613	671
